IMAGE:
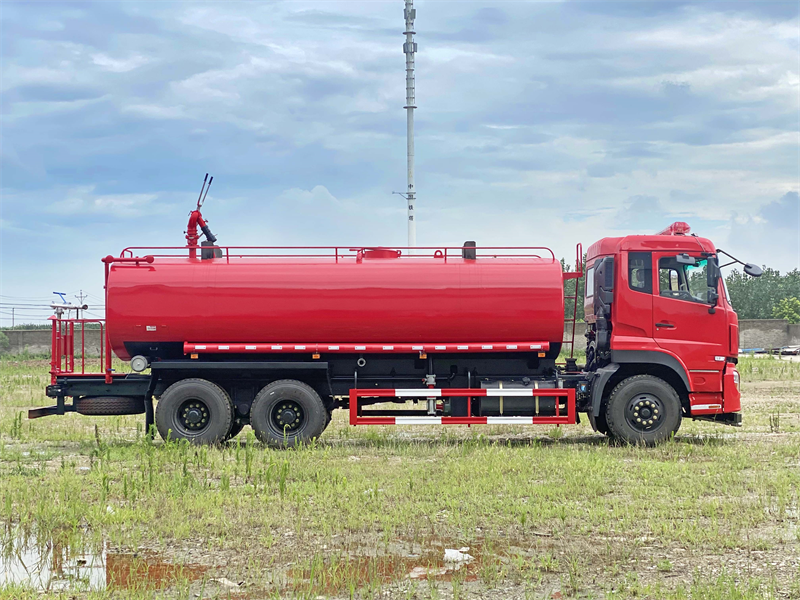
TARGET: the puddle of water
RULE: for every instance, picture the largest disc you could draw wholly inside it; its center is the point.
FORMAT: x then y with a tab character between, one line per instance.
402	560
54	567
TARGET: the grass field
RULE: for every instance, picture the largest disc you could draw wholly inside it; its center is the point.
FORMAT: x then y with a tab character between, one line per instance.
97	511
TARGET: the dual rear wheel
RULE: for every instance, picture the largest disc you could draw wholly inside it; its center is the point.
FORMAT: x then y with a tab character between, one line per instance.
284	413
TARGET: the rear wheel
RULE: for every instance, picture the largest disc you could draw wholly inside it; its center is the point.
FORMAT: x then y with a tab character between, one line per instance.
196	410
288	412
643	409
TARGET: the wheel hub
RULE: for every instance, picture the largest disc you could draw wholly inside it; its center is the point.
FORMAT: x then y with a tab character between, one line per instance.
645	412
287	416
193	415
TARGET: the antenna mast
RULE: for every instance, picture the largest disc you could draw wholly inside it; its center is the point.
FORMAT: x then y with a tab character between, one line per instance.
410	48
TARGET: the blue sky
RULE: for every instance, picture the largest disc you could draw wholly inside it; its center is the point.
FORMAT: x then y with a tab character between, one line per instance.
538	124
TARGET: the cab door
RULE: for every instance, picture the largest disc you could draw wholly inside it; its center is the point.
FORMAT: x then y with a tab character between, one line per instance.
682	323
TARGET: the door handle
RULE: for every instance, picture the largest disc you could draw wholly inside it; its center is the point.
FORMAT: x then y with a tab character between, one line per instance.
666	325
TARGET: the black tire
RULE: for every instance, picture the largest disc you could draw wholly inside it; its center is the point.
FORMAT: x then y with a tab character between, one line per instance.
109	405
288	412
643	409
195	410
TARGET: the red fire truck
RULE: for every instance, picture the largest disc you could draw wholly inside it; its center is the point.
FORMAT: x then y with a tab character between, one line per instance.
277	338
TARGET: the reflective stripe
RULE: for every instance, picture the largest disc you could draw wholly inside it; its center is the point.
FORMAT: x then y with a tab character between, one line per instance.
508	392
706	406
418	420
199	347
333	347
388	347
511	347
430	393
509	420
277	347
250	347
440	347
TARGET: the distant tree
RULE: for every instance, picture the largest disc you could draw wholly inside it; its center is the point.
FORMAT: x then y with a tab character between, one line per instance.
787	308
756	298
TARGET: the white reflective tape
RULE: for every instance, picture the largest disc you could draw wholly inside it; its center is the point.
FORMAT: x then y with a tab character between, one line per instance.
509	420
361	347
151	328
418	420
388	347
440	347
509	392
511	347
299	347
489	347
277	347
462	347
719	358
419	393
199	347
333	347
536	346
706	406
249	347
417	347
224	347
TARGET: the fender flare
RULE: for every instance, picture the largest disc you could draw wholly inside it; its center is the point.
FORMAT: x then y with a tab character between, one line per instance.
621	357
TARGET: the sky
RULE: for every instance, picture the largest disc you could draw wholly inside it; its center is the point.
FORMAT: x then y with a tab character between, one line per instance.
539	124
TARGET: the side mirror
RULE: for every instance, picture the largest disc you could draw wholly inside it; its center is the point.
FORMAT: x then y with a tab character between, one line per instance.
753	270
685	259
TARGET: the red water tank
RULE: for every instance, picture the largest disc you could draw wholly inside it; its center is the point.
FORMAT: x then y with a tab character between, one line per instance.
370	298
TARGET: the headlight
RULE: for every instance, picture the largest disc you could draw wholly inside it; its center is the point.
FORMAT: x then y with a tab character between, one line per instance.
736	377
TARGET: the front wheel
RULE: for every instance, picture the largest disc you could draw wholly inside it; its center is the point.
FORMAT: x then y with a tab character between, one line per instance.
643	409
288	412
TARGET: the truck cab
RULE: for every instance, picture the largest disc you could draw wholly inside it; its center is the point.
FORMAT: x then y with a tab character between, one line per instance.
656	306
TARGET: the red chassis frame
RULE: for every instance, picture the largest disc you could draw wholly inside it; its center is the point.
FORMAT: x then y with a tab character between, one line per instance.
558	419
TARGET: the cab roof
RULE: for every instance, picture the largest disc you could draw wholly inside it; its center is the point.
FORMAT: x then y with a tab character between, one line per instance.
676	237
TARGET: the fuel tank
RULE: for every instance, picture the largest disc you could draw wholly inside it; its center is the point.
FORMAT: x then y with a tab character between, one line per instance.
375	298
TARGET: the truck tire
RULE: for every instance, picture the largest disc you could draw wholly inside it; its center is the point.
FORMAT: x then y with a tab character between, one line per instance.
109	405
643	409
288	412
195	410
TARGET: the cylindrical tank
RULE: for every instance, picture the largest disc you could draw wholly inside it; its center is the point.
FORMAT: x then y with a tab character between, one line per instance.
319	300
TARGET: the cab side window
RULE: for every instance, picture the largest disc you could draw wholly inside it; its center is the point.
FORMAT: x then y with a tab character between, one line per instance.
640	272
682	282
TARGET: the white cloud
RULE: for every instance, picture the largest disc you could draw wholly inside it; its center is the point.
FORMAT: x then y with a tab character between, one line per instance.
116	65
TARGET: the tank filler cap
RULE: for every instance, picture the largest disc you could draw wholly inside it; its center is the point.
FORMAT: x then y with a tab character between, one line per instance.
381	253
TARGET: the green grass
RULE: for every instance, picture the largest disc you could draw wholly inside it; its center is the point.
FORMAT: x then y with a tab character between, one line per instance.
703	516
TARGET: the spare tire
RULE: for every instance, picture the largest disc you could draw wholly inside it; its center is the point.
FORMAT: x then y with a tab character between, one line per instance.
109	405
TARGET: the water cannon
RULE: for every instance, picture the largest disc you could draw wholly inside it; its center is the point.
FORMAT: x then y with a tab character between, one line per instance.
196	219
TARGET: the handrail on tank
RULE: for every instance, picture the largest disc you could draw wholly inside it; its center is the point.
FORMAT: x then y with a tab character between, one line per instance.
335	252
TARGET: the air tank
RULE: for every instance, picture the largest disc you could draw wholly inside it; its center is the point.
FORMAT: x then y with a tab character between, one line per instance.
374	297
